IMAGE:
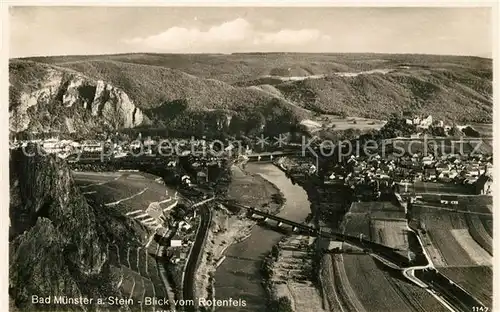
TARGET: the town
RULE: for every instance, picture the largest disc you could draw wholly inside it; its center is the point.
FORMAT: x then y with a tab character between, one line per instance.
250	158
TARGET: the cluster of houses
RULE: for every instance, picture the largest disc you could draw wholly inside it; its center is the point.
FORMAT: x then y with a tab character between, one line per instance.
420	122
140	146
182	238
425	122
373	176
62	148
454	169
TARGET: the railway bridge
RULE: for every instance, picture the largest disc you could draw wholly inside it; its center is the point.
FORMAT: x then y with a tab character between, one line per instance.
393	255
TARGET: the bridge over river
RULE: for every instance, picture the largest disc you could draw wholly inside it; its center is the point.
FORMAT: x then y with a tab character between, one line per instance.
393	255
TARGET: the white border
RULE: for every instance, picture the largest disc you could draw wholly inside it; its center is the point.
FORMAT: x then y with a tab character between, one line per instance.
4	121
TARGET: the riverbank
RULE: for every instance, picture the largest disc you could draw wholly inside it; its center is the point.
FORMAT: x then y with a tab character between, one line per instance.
240	275
328	206
292	267
228	229
291	272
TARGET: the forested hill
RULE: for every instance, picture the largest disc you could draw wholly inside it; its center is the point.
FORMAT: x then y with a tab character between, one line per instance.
241	93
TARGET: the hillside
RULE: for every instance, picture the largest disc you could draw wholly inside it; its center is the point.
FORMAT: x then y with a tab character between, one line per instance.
242	93
45	98
152	90
455	95
60	243
237	67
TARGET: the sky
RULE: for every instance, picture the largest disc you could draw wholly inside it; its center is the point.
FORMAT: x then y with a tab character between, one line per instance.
40	31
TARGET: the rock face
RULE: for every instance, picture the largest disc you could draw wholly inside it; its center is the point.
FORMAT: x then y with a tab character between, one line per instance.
58	241
66	101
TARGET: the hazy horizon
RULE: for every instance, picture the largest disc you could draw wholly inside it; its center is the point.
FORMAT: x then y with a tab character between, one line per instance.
248	52
73	31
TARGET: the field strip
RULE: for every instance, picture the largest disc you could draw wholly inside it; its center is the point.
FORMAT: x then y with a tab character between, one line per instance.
352	297
143	293
431	265
134	212
100	183
146	266
479	233
142	215
464	266
127	198
385	262
473	249
171	206
456	210
121	278
306	297
292	297
402	295
447	247
99	174
151	224
390	233
128	257
120	281
328	265
152	281
377	218
150	240
89	192
138	256
118	254
133	287
170	294
165	200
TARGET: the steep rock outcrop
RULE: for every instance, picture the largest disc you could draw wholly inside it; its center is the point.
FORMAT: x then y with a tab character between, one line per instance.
66	101
58	241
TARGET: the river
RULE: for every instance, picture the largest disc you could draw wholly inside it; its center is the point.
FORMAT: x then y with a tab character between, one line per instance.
239	275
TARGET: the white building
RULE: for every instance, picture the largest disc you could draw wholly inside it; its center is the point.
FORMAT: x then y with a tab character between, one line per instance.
92	146
52	146
135	144
184	225
425	123
176	243
149	142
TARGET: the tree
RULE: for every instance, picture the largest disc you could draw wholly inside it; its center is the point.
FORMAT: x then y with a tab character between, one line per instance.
278	199
283	304
395	127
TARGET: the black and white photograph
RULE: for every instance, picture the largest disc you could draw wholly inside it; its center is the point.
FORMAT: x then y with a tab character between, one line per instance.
257	158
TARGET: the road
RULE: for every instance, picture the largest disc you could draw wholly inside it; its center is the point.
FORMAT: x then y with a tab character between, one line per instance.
188	286
409	273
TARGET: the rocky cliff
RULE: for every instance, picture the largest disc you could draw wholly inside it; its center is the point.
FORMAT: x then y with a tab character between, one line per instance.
58	240
49	98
